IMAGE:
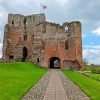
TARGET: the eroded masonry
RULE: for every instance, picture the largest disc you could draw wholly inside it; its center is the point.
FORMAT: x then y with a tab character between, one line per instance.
33	39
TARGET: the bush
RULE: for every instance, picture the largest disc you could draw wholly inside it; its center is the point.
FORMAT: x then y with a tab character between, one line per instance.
86	68
95	70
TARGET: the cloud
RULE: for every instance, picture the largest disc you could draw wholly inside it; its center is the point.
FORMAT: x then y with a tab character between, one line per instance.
93	56
0	45
1	36
97	31
92	53
1	15
62	2
92	47
84	35
25	7
96	61
0	50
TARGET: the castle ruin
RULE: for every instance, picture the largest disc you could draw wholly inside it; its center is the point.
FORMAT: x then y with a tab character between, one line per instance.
33	39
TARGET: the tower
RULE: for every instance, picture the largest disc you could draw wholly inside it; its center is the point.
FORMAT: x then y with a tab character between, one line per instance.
33	39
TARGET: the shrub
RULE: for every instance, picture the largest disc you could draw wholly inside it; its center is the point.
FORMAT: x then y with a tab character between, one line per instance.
95	70
86	68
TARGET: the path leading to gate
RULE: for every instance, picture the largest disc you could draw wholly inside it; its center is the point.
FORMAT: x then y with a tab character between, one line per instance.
55	89
55	86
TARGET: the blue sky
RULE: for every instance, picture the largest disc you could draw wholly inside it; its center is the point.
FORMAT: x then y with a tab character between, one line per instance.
59	11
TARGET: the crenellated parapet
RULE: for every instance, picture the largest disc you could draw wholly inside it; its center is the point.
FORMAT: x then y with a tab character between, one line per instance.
17	20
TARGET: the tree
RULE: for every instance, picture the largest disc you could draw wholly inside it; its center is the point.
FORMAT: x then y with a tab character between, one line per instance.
85	62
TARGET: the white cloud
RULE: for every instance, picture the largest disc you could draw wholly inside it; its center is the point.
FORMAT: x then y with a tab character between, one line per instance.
1	1
0	50
92	47
97	31
0	45
93	56
96	61
19	3
92	53
1	15
0	55
84	35
62	2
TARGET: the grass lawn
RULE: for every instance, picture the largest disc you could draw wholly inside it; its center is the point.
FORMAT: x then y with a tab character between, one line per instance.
92	75
17	78
89	86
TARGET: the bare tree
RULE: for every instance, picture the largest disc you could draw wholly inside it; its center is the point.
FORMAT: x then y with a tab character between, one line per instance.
85	62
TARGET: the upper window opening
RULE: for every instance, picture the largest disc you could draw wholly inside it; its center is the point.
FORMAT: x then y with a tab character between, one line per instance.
66	28
44	28
12	22
25	21
25	37
66	45
43	45
32	37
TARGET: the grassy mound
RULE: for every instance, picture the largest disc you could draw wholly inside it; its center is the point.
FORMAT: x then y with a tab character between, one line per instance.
17	78
89	86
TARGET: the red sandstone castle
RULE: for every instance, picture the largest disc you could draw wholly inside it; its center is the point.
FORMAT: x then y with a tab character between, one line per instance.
33	39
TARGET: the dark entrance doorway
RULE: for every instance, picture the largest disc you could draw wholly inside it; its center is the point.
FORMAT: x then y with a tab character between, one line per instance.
24	55
11	57
54	62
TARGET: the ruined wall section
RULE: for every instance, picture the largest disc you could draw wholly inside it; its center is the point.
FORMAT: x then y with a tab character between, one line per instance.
21	33
78	38
5	41
69	32
75	44
35	41
54	38
47	33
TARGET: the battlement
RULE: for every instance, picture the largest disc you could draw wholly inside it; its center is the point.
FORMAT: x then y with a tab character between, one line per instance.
18	20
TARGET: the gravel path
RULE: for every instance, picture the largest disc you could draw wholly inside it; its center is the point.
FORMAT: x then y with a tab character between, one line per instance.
37	92
72	90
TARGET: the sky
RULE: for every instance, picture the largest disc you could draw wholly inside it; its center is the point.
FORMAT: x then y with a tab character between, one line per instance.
59	11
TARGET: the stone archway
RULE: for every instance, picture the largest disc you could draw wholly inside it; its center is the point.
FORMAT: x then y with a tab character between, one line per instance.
54	62
11	57
24	54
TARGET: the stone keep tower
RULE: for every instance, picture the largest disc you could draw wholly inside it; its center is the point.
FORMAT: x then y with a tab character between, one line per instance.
33	39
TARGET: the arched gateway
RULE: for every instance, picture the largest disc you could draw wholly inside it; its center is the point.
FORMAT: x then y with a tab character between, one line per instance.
54	62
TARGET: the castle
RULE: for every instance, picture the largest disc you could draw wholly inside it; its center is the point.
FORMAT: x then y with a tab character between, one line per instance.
33	39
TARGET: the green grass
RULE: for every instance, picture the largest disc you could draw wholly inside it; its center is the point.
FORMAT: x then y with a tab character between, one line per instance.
93	76
89	86
17	78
